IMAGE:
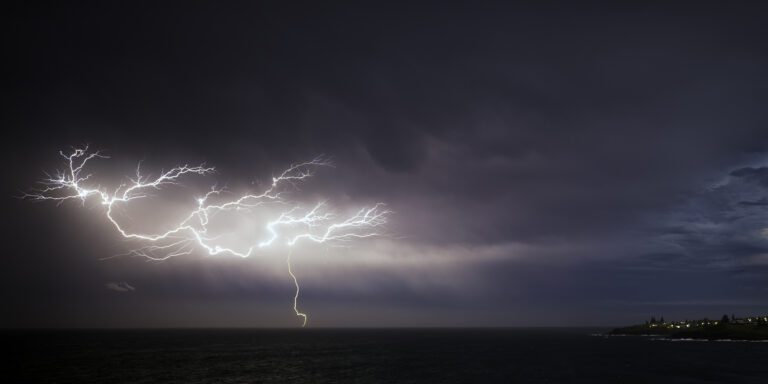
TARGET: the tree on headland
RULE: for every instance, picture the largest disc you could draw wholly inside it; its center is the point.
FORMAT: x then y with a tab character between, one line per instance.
725	320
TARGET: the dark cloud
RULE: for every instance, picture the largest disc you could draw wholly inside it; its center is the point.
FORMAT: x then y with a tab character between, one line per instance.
605	131
399	147
757	203
723	227
754	175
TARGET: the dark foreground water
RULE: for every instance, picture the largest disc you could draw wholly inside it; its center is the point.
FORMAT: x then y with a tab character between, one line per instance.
373	356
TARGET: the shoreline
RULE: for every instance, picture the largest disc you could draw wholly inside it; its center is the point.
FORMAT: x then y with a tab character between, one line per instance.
660	337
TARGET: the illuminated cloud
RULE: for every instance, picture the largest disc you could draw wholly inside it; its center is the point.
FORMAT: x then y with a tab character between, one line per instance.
281	221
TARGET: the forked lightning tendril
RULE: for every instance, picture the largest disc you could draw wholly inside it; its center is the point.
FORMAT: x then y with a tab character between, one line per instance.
292	222
296	296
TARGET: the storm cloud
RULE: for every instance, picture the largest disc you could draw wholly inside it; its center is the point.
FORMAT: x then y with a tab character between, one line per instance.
608	154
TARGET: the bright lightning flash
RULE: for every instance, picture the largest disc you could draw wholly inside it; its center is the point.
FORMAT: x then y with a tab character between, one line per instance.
290	224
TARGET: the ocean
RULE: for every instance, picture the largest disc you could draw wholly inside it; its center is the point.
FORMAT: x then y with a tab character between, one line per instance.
515	355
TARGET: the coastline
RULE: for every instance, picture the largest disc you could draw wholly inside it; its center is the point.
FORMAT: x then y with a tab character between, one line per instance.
716	332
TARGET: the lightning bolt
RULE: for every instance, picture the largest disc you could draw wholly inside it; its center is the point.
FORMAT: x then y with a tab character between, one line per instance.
292	224
298	289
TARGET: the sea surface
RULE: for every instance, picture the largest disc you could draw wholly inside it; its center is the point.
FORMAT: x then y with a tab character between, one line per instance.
573	355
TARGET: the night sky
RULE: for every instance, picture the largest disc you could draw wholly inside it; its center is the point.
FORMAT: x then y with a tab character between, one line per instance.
547	164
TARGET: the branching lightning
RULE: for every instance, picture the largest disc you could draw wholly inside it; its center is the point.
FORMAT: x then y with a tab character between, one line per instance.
291	224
